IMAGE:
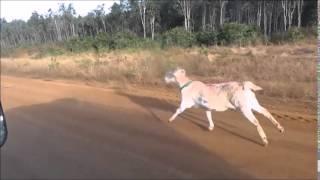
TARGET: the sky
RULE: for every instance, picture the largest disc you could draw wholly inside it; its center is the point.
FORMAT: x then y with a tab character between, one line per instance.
11	9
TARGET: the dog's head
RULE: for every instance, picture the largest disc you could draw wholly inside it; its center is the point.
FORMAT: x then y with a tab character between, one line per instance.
173	76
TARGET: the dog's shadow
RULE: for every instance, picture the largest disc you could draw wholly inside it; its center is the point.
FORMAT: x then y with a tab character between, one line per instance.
221	125
150	103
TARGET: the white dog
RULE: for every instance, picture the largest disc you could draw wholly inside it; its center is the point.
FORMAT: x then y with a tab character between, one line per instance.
220	97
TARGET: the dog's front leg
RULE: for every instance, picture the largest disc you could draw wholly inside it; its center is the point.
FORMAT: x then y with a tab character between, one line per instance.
183	106
178	111
209	117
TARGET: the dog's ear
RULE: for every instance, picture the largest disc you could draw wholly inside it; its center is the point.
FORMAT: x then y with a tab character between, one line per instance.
176	69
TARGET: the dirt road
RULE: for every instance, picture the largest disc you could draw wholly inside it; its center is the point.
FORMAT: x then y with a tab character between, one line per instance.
62	130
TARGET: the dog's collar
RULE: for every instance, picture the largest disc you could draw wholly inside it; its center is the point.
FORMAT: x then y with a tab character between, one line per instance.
185	85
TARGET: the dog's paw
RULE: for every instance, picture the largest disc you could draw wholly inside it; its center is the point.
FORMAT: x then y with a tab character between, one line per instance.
210	128
265	142
170	120
281	129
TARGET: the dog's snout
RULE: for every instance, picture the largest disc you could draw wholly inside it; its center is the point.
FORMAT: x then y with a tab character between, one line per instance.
169	77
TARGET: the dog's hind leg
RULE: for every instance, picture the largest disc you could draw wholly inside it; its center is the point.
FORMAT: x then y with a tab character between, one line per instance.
250	116
209	117
268	115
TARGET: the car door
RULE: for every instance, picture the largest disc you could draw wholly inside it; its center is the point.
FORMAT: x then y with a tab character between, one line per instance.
3	127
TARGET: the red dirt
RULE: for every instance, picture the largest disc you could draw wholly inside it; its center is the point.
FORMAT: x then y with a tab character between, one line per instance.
71	130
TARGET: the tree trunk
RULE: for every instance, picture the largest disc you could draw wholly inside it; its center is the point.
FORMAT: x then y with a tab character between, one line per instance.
142	10
152	20
270	23
238	11
285	13
58	30
204	14
189	15
104	24
222	11
270	19
73	31
265	19
300	8
186	10
259	14
318	17
292	8
212	18
144	21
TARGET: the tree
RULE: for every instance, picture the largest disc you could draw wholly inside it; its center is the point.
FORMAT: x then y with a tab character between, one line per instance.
142	10
259	13
291	9
204	14
153	14
212	14
223	4
300	8
142	18
186	6
99	14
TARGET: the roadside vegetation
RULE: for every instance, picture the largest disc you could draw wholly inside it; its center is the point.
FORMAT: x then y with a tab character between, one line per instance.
284	71
231	34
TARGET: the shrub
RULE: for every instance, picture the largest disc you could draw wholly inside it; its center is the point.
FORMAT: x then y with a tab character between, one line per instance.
312	30
207	38
79	44
295	34
84	64
52	51
103	41
292	35
237	33
8	52
40	51
122	40
146	43
179	37
204	51
53	65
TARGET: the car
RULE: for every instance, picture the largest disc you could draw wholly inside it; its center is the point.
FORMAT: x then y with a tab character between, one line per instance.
3	127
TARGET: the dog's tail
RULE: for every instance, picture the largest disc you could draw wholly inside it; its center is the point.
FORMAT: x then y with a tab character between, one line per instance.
248	85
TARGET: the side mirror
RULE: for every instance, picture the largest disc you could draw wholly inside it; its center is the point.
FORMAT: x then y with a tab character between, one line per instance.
3	127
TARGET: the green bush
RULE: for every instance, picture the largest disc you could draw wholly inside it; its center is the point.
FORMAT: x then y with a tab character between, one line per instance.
146	43
122	40
230	33
237	33
278	38
52	51
103	41
292	35
312	30
295	34
207	38
178	37
40	51
80	44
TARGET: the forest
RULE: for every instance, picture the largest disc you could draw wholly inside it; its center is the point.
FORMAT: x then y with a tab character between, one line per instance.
177	22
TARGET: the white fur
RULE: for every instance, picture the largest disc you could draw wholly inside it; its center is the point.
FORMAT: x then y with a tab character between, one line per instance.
220	97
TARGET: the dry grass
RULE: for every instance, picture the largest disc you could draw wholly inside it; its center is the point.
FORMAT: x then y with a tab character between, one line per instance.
286	71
